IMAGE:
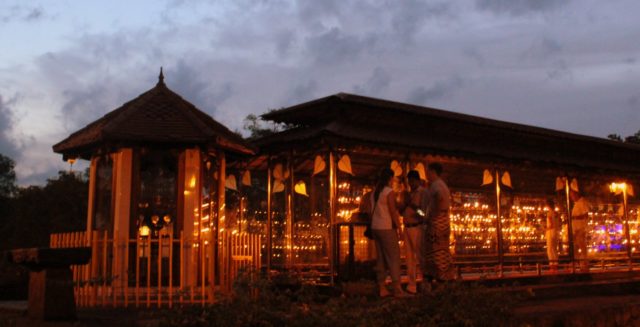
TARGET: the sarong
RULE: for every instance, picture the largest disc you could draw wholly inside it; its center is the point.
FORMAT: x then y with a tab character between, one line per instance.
439	261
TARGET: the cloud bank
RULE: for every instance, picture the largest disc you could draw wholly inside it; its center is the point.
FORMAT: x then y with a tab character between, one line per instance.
564	65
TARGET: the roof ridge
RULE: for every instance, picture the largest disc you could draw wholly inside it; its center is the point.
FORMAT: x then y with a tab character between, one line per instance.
448	114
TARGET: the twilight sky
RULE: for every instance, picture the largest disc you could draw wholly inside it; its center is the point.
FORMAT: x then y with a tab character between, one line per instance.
562	64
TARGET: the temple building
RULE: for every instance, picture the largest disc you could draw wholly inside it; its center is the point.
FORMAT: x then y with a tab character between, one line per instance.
495	169
156	190
179	204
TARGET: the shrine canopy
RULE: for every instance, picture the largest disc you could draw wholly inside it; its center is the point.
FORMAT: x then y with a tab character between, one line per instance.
382	130
158	117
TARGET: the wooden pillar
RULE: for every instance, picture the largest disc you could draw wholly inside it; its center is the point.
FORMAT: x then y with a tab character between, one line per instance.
290	212
333	244
627	233
122	213
499	225
93	171
269	216
224	266
90	270
191	216
569	223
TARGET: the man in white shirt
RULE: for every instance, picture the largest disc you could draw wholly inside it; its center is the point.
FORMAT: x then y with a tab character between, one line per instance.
413	218
579	216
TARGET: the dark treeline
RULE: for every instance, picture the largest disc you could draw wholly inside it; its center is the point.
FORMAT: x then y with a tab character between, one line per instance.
29	214
635	138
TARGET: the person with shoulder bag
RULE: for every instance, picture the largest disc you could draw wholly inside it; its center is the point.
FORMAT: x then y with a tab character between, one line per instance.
385	220
365	211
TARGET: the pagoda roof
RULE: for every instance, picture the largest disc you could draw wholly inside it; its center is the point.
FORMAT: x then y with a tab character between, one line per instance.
158	117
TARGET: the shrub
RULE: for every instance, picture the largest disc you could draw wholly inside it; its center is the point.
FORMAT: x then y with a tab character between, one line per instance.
259	302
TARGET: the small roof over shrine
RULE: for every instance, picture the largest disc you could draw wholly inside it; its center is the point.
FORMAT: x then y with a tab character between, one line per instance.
156	117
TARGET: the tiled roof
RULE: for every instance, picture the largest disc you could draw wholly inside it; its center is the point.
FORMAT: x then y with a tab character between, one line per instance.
158	116
351	119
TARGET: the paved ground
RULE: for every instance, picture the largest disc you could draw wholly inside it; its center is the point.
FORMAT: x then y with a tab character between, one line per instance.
14	314
583	311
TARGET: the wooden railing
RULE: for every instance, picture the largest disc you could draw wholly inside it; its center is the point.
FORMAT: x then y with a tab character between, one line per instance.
163	270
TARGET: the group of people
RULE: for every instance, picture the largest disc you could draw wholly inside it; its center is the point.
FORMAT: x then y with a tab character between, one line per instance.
425	228
579	215
425	215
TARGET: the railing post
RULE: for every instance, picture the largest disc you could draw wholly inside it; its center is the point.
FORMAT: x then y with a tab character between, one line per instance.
351	251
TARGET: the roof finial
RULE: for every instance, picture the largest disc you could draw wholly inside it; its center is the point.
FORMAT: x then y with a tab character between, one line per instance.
161	77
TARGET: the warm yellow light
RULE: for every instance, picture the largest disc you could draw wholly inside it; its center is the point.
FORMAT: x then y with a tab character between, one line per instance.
144	230
617	187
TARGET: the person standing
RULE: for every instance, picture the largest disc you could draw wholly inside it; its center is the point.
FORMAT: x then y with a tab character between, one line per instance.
414	218
438	256
579	215
553	227
384	223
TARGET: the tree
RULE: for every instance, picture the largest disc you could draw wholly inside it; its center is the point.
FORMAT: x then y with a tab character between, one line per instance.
59	206
7	176
258	128
255	126
633	139
615	137
7	190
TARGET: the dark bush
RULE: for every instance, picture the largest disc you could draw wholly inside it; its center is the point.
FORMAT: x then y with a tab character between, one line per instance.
257	302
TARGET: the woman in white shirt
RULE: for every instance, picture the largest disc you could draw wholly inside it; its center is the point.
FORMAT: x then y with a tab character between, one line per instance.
385	222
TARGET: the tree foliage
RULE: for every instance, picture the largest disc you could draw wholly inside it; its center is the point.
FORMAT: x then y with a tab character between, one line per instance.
633	139
259	128
7	176
615	137
36	211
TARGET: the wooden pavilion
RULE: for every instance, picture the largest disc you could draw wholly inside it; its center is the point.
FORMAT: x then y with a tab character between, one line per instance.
163	230
156	201
340	142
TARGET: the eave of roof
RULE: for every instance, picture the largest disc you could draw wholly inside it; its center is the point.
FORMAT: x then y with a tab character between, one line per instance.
158	116
306	114
445	132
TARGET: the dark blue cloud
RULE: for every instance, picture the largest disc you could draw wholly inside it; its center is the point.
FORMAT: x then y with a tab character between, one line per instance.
520	7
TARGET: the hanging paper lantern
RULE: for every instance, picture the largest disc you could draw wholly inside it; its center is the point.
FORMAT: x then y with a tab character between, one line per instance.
397	169
301	188
574	185
506	179
318	165
246	178
487	177
344	164
560	181
278	186
278	173
230	183
421	171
